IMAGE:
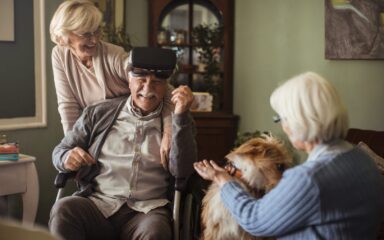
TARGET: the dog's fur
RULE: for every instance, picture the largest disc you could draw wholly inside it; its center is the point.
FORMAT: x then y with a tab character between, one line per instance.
261	162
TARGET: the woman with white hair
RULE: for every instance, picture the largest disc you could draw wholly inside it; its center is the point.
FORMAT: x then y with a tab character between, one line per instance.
86	69
337	193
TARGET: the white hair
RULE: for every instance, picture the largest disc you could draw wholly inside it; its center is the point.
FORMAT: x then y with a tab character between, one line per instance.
77	16
311	108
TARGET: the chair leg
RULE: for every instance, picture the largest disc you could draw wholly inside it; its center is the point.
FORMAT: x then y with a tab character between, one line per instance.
60	194
176	215
187	217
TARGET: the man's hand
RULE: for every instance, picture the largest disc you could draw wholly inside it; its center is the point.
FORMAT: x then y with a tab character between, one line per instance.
77	158
182	97
164	149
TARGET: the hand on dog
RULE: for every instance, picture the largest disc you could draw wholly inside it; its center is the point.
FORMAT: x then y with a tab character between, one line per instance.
211	171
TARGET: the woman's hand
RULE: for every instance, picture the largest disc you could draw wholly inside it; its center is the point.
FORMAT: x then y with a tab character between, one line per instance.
211	171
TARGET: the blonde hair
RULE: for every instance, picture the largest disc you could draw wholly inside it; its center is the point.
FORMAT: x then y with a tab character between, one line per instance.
311	108
78	16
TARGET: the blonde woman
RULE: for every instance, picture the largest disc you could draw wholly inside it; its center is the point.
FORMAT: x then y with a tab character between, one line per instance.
86	69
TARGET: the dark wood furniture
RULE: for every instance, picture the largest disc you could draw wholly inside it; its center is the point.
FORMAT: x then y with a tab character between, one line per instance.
375	141
171	23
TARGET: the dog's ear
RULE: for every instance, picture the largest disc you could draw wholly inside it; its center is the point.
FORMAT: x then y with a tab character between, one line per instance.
253	146
279	152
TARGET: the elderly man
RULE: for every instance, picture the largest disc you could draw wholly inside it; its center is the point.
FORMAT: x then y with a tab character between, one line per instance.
114	146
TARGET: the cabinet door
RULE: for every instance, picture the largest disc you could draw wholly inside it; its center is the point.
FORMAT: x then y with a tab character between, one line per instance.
201	33
188	27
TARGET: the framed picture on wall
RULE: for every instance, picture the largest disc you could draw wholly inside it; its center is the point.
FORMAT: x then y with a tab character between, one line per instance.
354	29
23	89
7	20
113	12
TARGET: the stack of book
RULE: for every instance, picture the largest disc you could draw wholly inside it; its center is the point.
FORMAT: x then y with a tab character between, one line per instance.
9	151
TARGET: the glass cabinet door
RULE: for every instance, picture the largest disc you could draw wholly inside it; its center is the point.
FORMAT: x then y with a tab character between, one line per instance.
201	32
193	30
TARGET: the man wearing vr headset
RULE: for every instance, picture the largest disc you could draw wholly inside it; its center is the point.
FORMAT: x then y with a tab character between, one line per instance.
114	147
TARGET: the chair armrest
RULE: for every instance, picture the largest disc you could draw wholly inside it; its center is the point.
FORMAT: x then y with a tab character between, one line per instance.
62	177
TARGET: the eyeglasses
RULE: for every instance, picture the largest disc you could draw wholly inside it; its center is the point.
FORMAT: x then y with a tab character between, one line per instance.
276	119
89	35
140	72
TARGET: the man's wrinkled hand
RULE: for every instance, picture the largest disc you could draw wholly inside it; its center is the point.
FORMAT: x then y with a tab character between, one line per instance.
77	158
182	97
164	150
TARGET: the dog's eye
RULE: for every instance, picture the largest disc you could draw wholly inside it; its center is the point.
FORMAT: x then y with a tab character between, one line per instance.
280	167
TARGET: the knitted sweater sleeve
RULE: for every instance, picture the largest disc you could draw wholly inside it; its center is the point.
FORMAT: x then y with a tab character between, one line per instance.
292	204
68	106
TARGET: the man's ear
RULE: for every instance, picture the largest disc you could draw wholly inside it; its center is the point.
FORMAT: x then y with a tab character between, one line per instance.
129	83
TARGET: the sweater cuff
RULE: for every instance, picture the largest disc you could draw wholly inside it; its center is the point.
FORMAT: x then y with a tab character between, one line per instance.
182	118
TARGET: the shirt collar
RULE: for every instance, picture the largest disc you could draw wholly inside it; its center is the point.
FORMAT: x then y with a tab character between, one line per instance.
329	149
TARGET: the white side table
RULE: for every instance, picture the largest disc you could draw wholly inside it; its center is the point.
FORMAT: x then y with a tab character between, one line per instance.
21	177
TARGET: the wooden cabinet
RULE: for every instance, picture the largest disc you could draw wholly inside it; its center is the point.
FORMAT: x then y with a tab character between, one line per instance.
216	134
201	33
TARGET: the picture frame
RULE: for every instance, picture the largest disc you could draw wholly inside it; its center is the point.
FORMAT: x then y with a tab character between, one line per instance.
7	20
39	118
354	29
113	13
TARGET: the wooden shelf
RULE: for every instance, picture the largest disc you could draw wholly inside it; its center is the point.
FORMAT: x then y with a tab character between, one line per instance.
193	45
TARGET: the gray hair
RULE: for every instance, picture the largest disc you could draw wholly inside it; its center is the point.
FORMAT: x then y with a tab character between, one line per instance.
311	108
77	16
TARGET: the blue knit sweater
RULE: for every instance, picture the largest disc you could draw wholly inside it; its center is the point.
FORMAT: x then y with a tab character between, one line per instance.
338	193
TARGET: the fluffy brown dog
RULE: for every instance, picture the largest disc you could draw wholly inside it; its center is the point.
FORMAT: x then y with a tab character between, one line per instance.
259	165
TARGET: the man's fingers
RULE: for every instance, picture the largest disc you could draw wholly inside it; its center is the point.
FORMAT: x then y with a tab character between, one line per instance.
164	159
164	150
76	158
83	157
182	97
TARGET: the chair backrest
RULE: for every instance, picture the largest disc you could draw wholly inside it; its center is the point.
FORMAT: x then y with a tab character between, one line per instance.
375	141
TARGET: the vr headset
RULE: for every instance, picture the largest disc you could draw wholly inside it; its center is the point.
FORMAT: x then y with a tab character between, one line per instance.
144	61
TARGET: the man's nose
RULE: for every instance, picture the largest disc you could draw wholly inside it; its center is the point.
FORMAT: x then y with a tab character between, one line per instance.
149	81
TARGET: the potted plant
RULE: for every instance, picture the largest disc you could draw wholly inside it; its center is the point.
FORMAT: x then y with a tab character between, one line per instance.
117	36
242	137
208	41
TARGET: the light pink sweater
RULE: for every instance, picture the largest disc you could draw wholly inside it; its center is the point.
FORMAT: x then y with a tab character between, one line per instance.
78	86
